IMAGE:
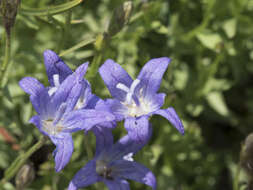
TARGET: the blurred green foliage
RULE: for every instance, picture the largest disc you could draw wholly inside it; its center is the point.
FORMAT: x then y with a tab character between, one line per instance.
209	82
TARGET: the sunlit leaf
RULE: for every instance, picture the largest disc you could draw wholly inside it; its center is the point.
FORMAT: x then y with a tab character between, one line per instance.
209	40
229	27
217	102
52	10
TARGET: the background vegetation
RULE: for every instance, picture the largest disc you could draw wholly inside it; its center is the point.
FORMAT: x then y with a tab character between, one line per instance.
209	83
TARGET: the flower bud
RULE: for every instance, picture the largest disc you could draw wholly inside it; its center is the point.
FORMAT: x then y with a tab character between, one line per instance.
120	18
25	176
246	159
8	9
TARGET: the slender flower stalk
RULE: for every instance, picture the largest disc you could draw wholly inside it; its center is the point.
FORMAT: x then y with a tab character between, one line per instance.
65	30
6	61
8	9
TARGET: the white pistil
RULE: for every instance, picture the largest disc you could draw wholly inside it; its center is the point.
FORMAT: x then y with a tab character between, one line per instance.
80	103
56	80
122	87
129	91
129	157
135	109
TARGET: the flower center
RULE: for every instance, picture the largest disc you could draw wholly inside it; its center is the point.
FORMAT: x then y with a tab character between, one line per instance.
50	128
103	170
137	106
79	103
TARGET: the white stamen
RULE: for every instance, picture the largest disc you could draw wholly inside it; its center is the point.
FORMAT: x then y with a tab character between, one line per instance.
134	84
52	90
129	157
56	80
80	103
129	97
129	91
142	106
122	87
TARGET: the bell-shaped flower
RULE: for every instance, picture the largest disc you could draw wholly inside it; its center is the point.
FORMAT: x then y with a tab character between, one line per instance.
57	114
113	164
58	71
136	100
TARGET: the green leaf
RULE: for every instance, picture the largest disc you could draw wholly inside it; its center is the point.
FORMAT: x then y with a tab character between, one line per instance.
217	102
49	10
229	27
77	46
209	40
6	93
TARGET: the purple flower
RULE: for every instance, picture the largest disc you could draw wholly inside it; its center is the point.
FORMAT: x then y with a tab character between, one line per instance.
58	115
58	71
113	164
135	101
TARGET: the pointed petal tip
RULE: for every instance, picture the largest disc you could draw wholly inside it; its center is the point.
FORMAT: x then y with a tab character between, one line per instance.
21	83
150	180
72	186
50	55
182	132
30	85
161	60
107	63
171	115
82	69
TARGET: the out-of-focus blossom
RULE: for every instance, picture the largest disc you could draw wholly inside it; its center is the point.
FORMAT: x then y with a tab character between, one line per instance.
113	164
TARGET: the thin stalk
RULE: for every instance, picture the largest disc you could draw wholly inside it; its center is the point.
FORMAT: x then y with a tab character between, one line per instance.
90	156
21	160
6	57
100	45
66	29
77	46
207	17
88	147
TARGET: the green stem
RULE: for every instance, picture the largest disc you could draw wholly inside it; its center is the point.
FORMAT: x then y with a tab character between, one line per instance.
99	44
66	29
6	58
204	23
90	156
77	46
88	147
21	160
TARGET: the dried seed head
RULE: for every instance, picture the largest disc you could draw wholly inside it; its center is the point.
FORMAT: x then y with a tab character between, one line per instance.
8	9
246	159
25	176
120	18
